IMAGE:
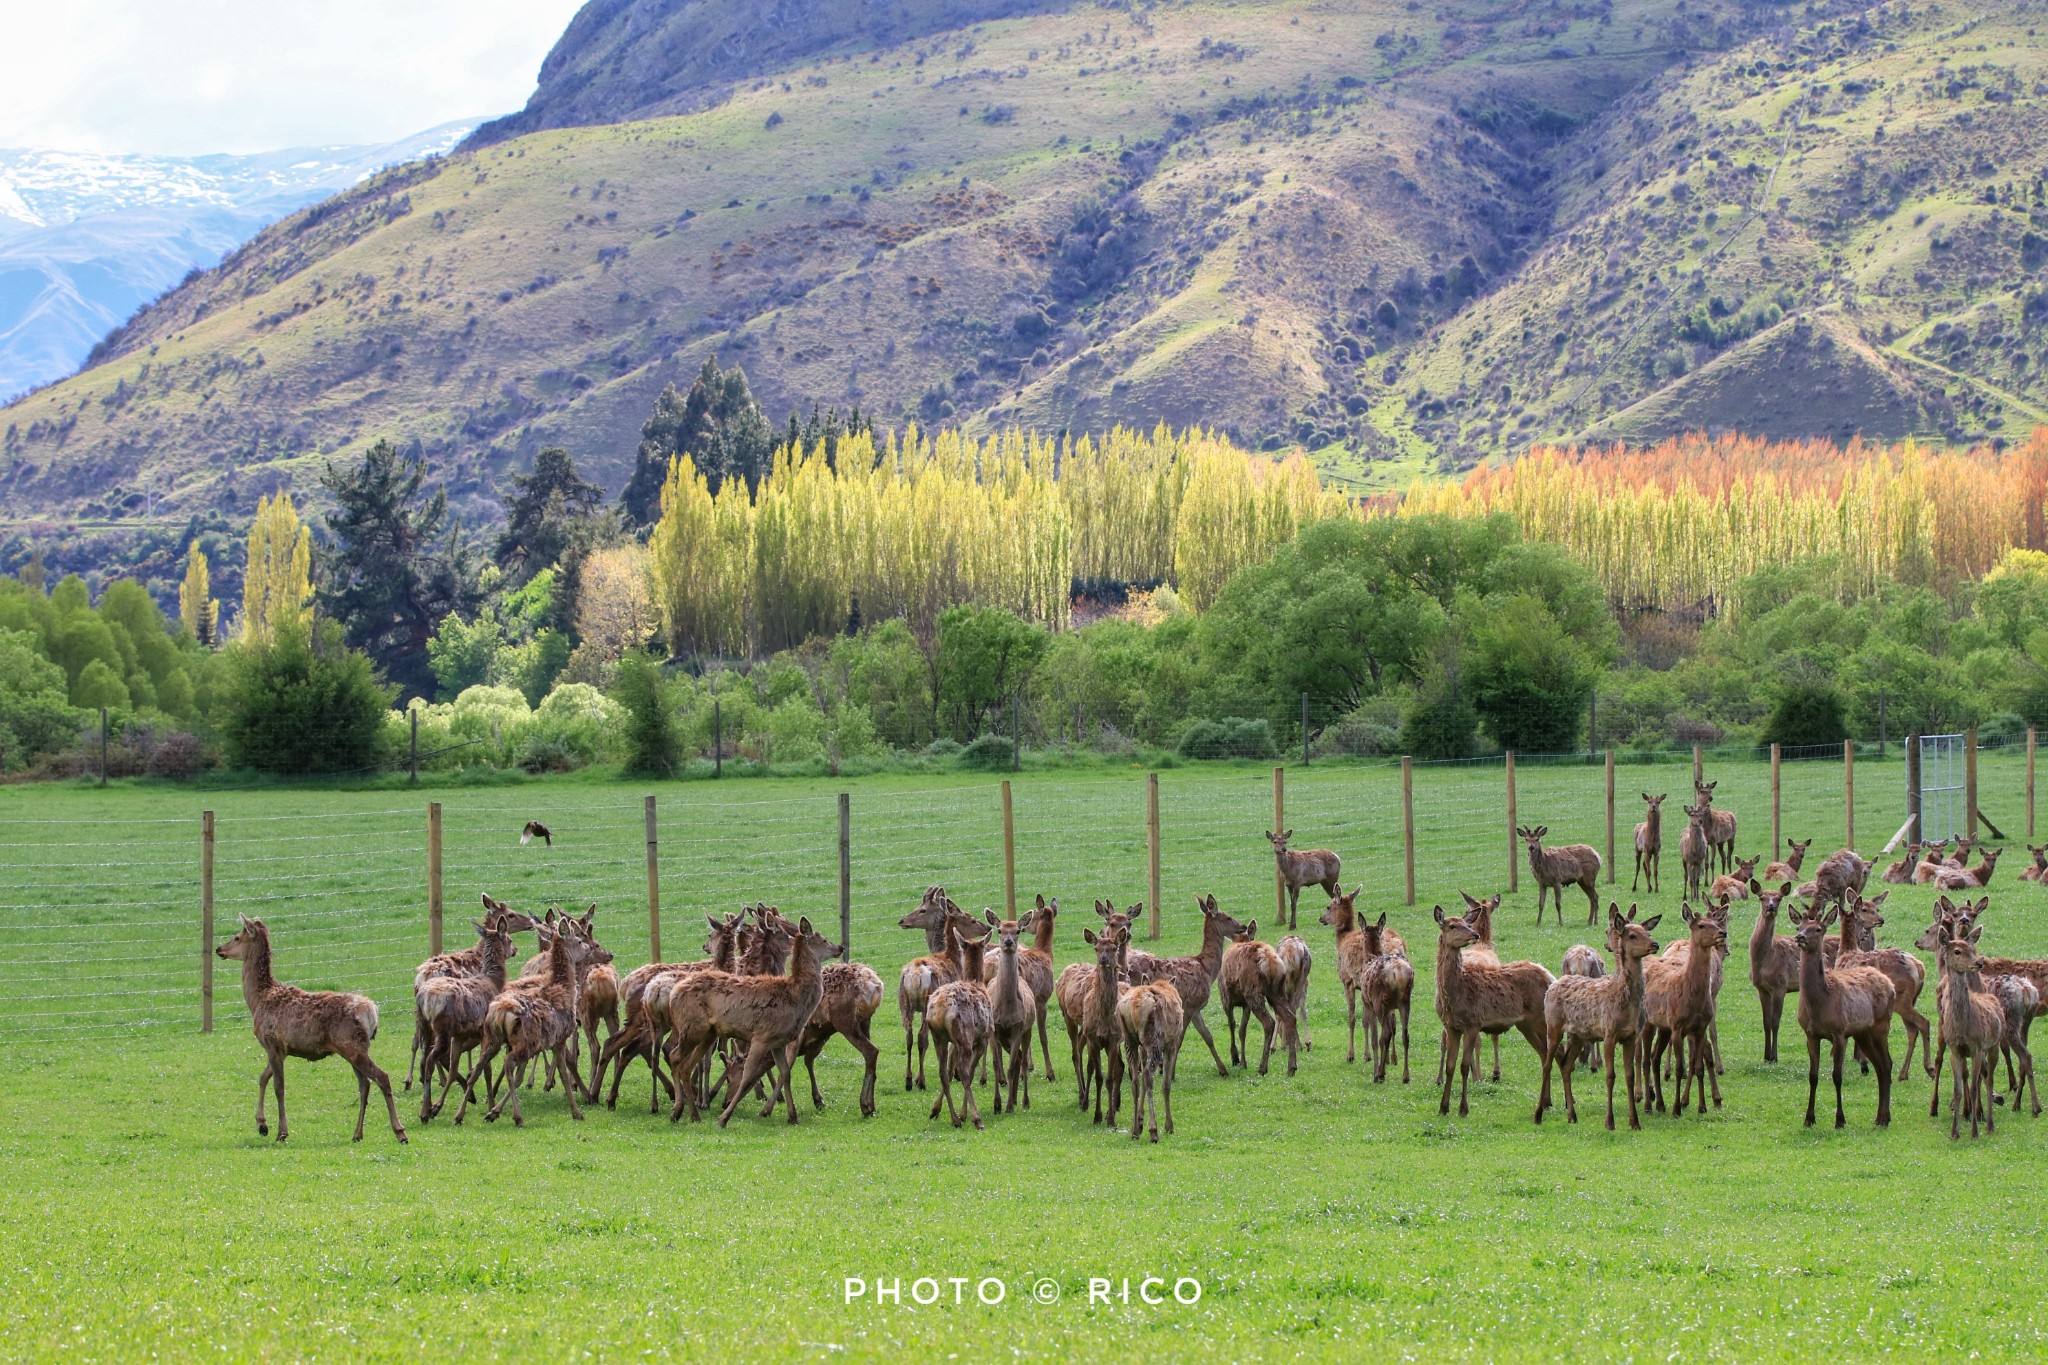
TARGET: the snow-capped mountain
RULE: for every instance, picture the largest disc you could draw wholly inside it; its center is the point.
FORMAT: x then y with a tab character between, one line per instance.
86	239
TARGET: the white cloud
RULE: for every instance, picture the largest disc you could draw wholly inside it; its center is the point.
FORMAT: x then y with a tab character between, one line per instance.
184	77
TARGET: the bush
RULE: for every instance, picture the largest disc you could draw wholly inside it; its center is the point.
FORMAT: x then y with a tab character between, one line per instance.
988	753
653	742
1355	738
294	709
1807	713
1687	731
942	747
1231	737
177	756
1440	725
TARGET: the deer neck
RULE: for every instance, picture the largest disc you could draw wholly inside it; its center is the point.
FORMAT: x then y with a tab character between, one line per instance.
1848	935
1450	966
493	962
1761	936
1041	935
935	938
1813	974
1632	985
256	977
1005	991
1699	974
1211	956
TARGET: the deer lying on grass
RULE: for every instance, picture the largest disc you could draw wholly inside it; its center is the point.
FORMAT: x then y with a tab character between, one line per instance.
467	962
289	1022
923	975
1839	1005
1013	1006
962	1022
534	1016
1559	867
1150	1021
1859	949
1693	851
1297	960
1389	992
1900	873
1720	824
1479	999
766	1013
637	1038
1649	841
1969	878
1255	985
2038	869
1734	886
1303	867
1972	1027
1585	1011
1034	966
1193	976
1678	1006
1784	869
454	1008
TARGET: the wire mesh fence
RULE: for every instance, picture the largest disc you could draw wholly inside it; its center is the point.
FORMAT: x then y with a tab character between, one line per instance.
104	914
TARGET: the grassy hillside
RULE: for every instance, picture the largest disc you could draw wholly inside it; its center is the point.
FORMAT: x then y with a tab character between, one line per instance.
1404	238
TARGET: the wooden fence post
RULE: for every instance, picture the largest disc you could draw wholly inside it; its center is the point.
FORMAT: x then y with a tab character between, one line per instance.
1009	856
1970	776
1514	839
1279	827
1913	813
845	877
103	746
1408	821
653	886
434	877
1848	793
1777	835
206	921
2030	781
1610	817
1152	846
1698	771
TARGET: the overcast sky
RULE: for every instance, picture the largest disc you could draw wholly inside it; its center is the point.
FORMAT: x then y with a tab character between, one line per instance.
183	77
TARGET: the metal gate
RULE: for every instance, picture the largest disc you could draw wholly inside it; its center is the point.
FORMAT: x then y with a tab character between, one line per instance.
1944	805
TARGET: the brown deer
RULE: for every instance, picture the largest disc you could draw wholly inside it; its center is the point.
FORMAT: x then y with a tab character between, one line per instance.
1840	1005
534	1016
289	1022
1784	869
1559	867
1901	968
1972	1027
1254	985
1583	1011
1297	960
852	994
1582	959
1389	979
923	975
1649	841
1673	959
637	1038
1302	867
1475	1000
1900	873
482	965
1342	916
1678	1006
1479	915
1101	1035
1693	851
2038	869
1191	976
1734	886
1013	1006
467	962
1150	1019
1034	966
1774	967
1720	824
1843	875
1969	878
768	1013
454	1009
962	1022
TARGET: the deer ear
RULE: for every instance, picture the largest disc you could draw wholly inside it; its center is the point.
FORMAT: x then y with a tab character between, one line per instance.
803	925
1832	915
1468	899
1784	889
1383	921
1088	937
1650	923
1041	902
1878	899
1252	930
990	916
1439	914
1756	888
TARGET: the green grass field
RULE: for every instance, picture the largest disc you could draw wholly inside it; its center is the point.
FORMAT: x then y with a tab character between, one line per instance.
1321	1215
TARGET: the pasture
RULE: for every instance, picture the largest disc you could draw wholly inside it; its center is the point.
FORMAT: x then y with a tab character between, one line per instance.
1322	1215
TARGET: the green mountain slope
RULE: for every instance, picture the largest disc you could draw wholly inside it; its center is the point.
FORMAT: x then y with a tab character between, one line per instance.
1394	234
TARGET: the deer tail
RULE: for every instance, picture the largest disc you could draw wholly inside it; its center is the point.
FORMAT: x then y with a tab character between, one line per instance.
501	1018
365	1012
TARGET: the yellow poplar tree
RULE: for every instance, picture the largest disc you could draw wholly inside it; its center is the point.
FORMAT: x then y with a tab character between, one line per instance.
278	584
196	606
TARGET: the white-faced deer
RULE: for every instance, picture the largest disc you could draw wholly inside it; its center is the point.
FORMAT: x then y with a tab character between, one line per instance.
1840	1005
1720	824
1785	869
1254	985
1559	867
767	1013
1150	1019
1302	867
1649	841
1475	1000
1734	886
535	1016
1013	1007
1678	1005
1972	1027
1191	976
1587	1011
289	1022
1859	949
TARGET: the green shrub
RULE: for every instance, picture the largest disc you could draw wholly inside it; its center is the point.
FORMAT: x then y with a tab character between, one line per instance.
1231	737
1807	713
942	747
293	709
1440	724
988	753
652	740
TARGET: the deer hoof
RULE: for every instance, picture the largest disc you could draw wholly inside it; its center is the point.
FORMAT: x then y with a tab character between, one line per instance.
403	1140
262	1129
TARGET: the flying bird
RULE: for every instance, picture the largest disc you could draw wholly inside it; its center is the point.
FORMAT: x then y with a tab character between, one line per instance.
536	830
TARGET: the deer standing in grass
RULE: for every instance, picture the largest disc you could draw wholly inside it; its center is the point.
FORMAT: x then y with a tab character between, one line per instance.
1296	959
1034	966
923	975
1720	824
1342	916
289	1022
1559	867
962	1022
1479	999
1254	984
1678	1005
852	994
1192	976
1693	851
638	1037
536	1016
1149	1018
1972	1027
1901	968
1786	869
1774	966
767	1013
468	962
1101	1035
1012	1006
1649	842
1303	867
1584	1011
454	1008
1389	992
1841	1005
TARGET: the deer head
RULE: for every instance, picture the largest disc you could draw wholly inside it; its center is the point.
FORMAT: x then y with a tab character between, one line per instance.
1628	940
1453	931
251	936
1707	930
1655	803
1812	931
1375	936
1745	868
1213	918
1480	914
1342	911
1279	841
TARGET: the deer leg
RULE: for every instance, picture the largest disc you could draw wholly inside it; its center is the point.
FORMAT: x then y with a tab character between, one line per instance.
1592	899
943	1050
572	1079
1496	1058
1166	1095
1468	1067
1841	1119
1044	1042
1444	1047
1137	1069
1608	1058
1116	1084
1934	1090
1258	1008
1713	1067
1351	1006
277	1081
909	1040
1551	1045
1404	1041
1201	1026
262	1094
1812	1073
1714	1038
419	1030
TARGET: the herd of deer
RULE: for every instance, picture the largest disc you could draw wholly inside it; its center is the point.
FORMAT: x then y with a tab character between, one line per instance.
769	991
